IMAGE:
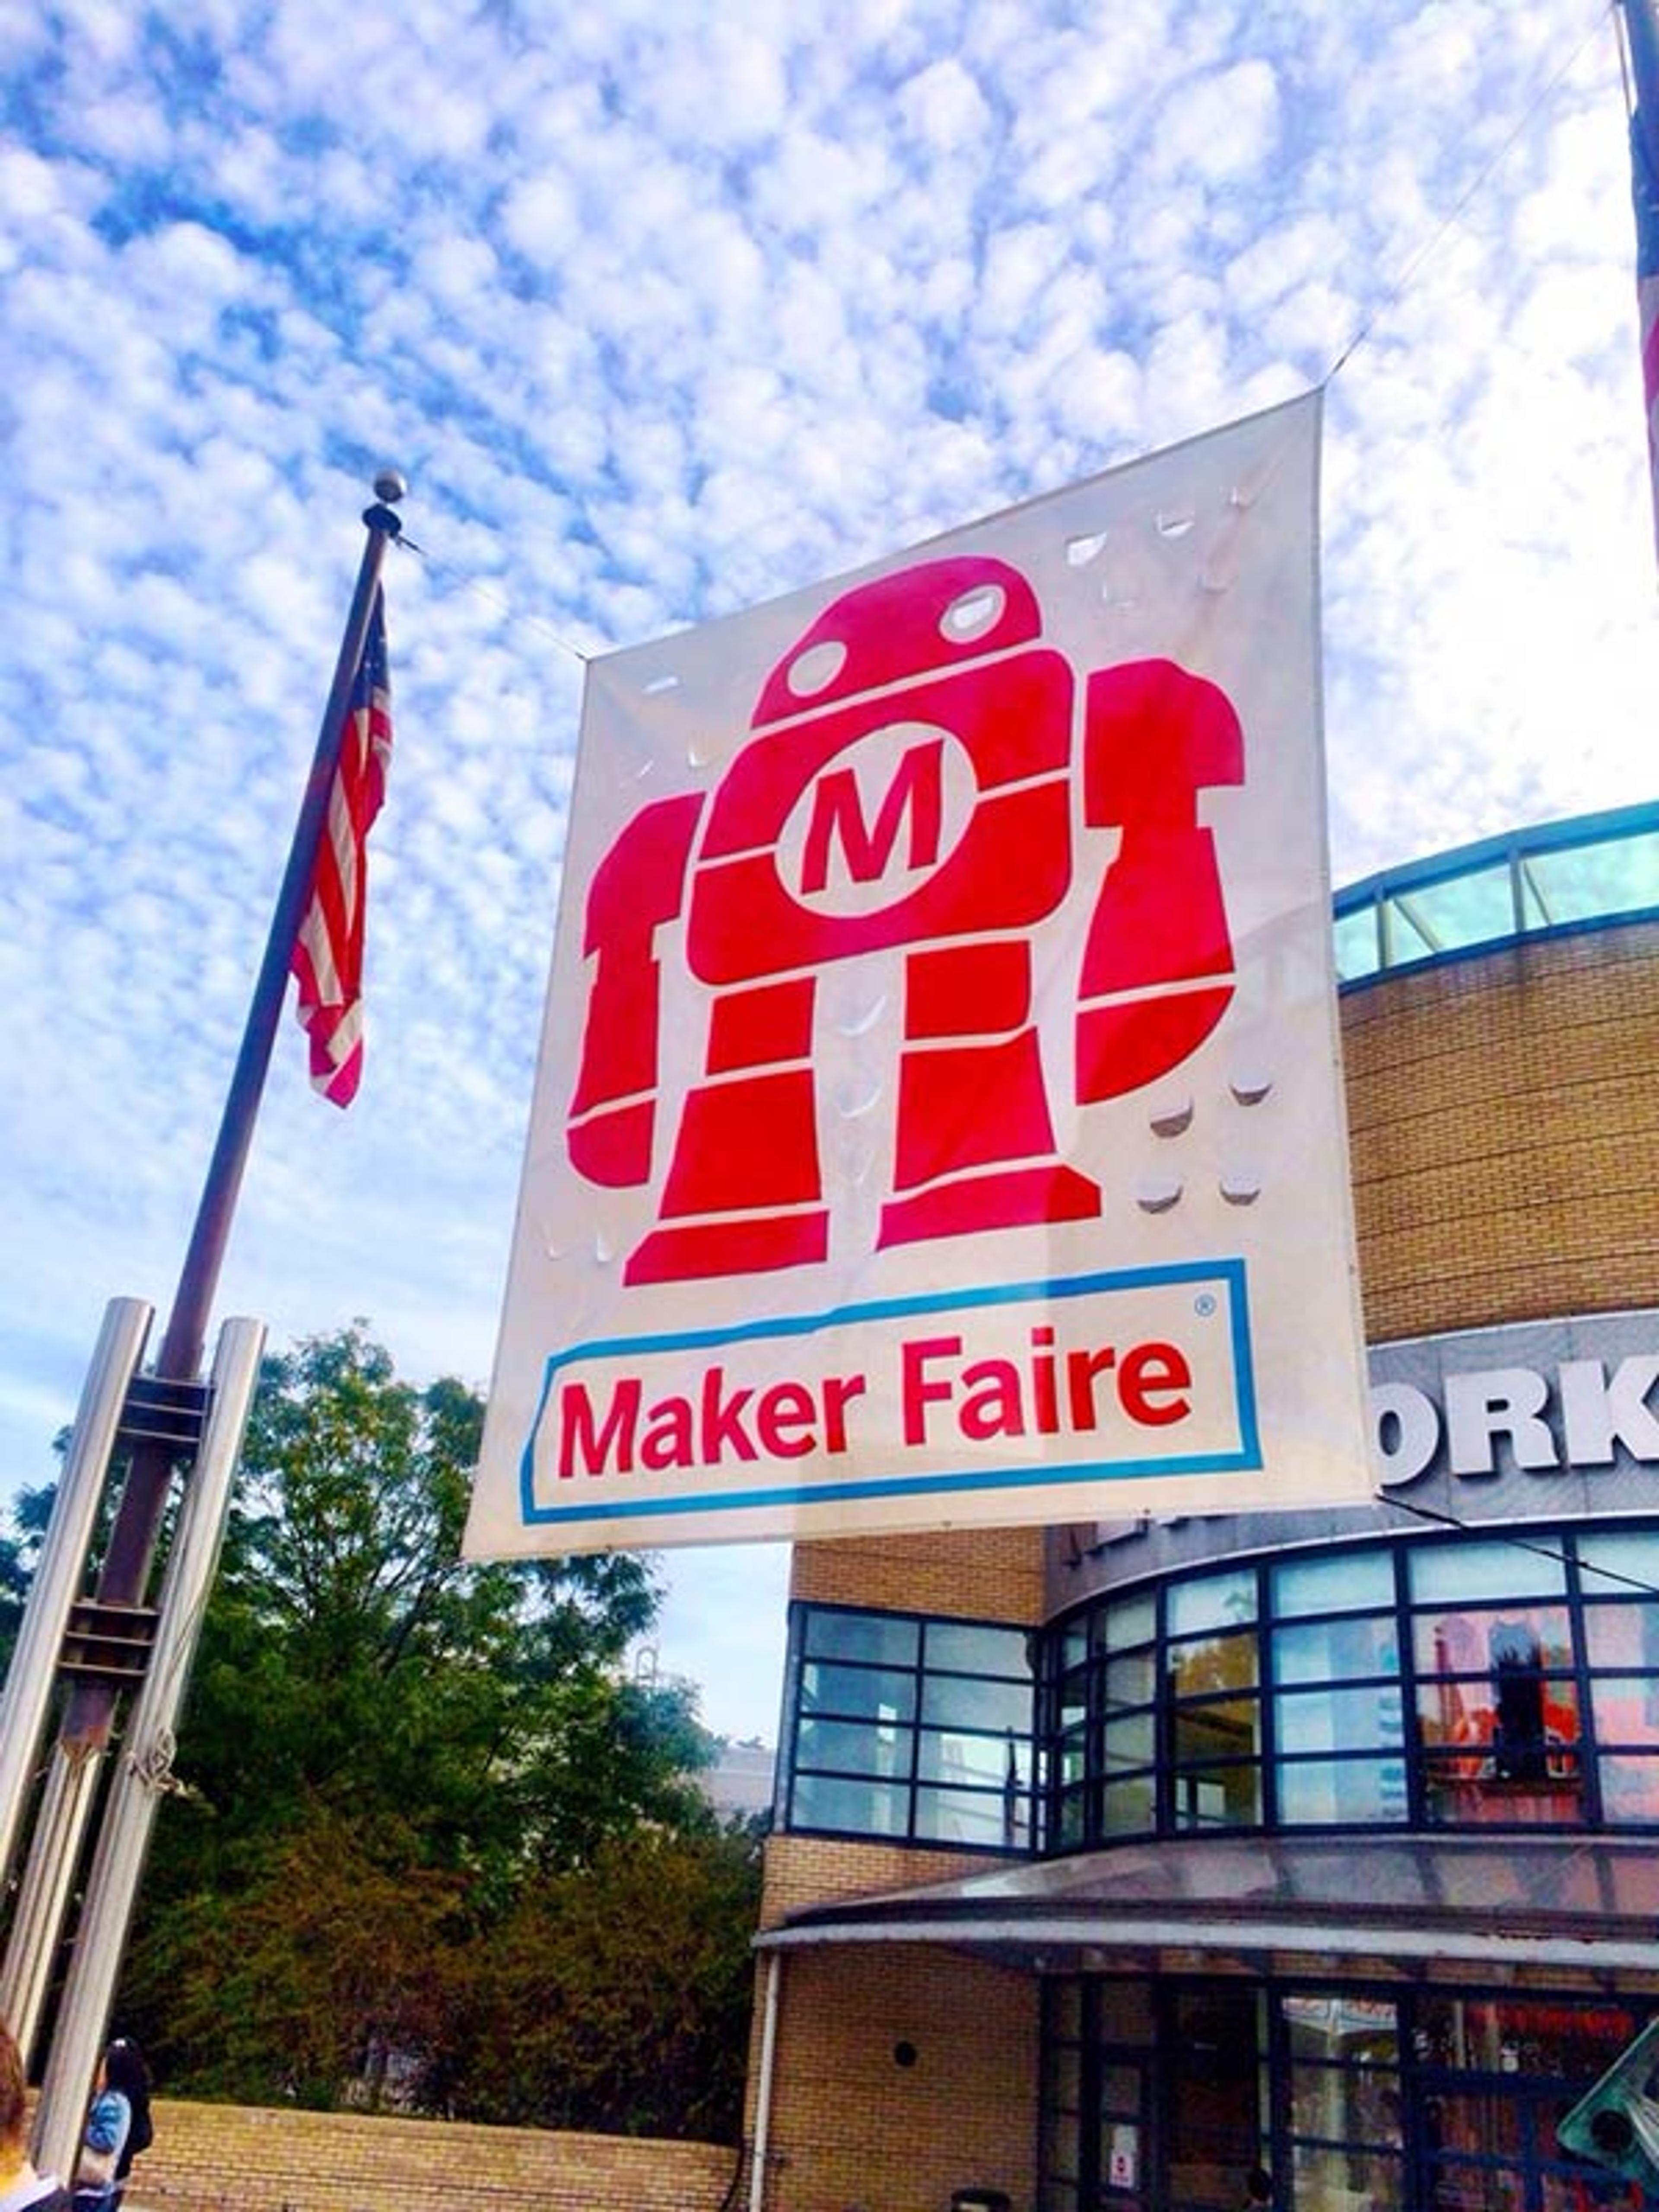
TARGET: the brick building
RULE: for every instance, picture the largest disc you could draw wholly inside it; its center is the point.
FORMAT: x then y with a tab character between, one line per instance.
1115	1860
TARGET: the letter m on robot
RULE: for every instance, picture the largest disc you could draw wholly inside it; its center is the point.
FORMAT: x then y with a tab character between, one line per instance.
925	781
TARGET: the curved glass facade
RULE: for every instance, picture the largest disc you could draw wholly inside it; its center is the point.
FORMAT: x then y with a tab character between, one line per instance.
1588	873
1442	1682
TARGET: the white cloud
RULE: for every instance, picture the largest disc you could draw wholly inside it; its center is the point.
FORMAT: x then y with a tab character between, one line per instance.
664	314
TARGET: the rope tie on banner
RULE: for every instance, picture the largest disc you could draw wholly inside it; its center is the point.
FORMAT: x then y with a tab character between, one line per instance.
458	577
1478	185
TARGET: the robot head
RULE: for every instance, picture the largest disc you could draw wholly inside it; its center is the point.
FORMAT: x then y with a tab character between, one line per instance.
917	622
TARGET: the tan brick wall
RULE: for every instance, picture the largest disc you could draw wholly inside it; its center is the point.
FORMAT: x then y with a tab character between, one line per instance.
217	2158
975	1574
1504	1123
812	1869
856	2131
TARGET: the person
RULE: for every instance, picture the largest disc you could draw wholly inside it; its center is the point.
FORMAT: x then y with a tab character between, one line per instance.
118	2128
21	2189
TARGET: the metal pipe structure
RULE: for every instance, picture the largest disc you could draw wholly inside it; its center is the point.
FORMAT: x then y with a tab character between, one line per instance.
60	1832
768	2051
58	1574
144	1769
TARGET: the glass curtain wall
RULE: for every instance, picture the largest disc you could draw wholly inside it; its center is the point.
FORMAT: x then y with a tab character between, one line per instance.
1163	2097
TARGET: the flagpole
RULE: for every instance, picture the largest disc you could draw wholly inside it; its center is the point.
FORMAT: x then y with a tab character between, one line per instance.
125	1566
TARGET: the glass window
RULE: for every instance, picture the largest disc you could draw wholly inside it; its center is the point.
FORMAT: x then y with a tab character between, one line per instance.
859	1809
1475	907
1624	1565
1342	1792
985	1819
1125	2011
1480	1641
1066	1826
1629	1788
1623	1636
878	1639
1616	875
1466	1571
1217	1798
878	1749
1517	1726
1130	1681
974	1703
1345	2103
1128	1809
852	1746
1328	1650
1131	1620
1339	1720
984	1761
1355	2030
1212	1663
856	1691
1129	1742
1069	1757
1326	2174
1357	953
1626	1709
1211	2052
1483	1711
963	1648
1220	1728
1347	1582
1226	1600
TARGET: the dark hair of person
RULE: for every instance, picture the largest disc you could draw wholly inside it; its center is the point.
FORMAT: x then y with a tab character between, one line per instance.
124	2069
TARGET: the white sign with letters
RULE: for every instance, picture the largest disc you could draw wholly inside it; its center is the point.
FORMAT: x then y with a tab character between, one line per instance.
938	1118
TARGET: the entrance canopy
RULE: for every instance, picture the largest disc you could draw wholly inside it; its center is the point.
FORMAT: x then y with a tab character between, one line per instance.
1388	1907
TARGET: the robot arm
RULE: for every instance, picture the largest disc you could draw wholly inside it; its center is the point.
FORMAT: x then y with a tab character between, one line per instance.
1157	972
639	886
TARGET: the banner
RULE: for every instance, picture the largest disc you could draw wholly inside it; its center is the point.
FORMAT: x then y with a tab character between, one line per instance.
938	1118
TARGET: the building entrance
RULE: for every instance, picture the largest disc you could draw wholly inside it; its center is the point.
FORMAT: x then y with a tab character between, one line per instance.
1163	2097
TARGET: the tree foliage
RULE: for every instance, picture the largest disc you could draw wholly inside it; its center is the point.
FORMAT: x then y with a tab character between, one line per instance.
430	1841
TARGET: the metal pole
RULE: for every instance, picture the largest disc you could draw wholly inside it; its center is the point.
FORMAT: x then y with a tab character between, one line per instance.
57	1580
143	1770
125	1569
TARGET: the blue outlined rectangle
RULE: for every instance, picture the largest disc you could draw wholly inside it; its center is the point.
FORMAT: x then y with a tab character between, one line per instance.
1222	1283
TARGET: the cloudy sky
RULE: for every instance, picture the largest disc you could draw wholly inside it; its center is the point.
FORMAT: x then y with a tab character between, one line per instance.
664	307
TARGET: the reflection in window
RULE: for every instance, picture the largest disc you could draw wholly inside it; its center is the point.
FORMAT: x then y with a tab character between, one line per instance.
906	1727
1454	1682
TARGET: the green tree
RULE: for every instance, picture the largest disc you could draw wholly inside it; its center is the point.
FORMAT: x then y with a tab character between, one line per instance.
617	1995
386	1750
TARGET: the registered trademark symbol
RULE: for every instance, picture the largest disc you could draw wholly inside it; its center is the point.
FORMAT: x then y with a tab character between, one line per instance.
1204	1305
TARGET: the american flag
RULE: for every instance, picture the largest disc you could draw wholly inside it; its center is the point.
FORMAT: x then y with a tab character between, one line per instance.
1644	173
328	953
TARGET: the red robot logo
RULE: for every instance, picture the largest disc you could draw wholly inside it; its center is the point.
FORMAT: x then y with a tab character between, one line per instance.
933	688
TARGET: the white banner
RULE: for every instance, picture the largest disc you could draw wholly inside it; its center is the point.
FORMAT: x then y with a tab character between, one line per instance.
938	1118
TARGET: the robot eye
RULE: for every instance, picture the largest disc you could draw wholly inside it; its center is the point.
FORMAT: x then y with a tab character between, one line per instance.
816	669
972	614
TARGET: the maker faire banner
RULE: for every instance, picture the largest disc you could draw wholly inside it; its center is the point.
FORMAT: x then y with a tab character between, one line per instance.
939	1119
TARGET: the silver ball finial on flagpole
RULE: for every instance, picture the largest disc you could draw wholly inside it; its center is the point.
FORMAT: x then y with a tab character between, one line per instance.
389	488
